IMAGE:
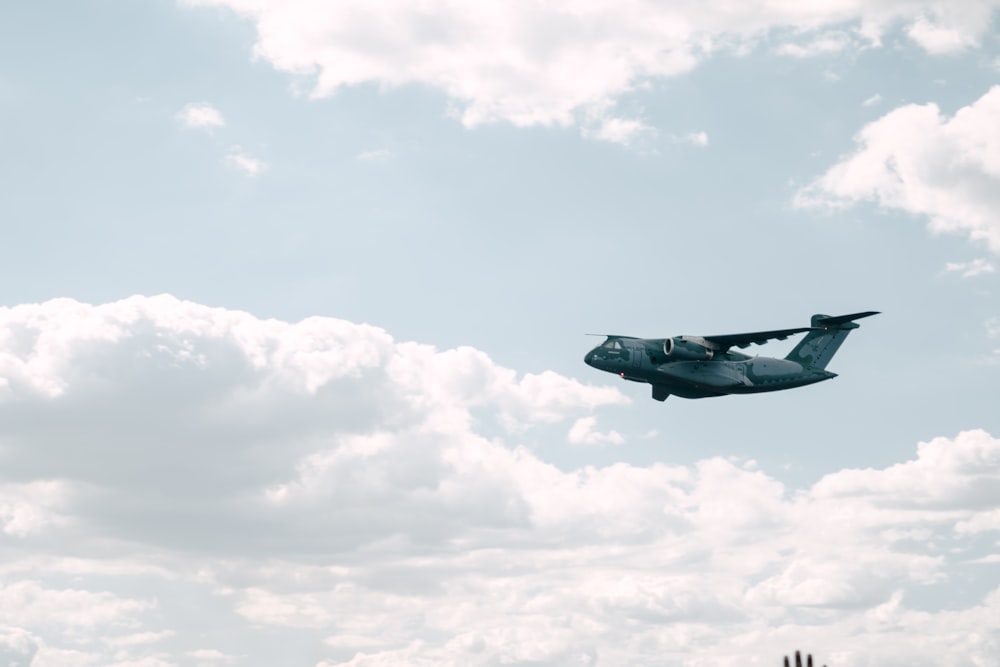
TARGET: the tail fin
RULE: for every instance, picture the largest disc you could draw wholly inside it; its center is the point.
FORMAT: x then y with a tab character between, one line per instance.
816	350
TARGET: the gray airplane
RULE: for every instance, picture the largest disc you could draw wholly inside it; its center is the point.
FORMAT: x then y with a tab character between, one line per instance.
703	366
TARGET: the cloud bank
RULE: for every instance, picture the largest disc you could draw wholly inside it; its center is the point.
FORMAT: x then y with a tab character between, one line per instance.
569	63
319	484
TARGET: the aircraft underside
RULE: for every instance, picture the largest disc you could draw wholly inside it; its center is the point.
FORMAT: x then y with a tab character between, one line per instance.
704	380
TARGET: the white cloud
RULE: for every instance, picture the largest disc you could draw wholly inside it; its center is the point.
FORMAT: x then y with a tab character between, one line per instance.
872	101
976	267
139	638
698	138
901	493
916	160
993	331
29	603
378	155
823	43
730	565
986	560
582	433
200	115
245	162
693	138
211	655
48	656
981	523
30	508
939	39
567	63
619	130
17	646
321	484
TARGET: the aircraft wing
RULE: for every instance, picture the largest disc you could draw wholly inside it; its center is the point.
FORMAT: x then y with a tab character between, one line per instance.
726	341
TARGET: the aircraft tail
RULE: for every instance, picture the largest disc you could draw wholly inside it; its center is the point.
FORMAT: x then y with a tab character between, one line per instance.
816	350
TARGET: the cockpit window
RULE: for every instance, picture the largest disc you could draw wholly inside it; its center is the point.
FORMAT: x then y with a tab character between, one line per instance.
612	344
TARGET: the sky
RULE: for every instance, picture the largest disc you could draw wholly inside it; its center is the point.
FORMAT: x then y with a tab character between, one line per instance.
294	297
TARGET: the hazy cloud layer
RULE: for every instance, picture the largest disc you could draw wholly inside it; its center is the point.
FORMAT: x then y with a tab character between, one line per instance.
322	484
566	62
917	160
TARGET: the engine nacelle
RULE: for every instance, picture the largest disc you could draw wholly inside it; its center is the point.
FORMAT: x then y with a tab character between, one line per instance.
678	349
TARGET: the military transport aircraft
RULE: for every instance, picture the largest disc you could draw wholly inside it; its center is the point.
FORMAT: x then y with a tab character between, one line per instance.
703	366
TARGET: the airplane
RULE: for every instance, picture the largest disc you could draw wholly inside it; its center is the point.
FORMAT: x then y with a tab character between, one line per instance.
705	366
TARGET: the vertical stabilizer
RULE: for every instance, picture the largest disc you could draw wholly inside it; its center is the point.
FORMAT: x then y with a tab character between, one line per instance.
816	350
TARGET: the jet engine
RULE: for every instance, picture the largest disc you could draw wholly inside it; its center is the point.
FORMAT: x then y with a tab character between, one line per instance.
678	349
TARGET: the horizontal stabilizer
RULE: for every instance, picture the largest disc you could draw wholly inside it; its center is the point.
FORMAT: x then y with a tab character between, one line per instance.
827	321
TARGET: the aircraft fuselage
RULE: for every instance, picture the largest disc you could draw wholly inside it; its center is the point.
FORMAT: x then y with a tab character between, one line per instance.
728	373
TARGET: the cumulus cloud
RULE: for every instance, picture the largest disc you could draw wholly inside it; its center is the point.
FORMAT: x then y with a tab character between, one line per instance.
939	38
567	63
582	433
139	638
17	646
619	130
917	160
824	43
377	155
211	656
693	138
201	115
257	403
976	267
240	159
872	101
30	508
319	484
29	603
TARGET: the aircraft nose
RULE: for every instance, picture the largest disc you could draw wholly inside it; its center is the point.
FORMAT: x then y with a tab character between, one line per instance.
589	358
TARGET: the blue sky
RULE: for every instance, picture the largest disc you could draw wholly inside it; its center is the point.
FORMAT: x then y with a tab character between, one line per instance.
311	280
